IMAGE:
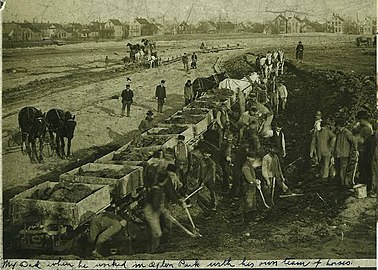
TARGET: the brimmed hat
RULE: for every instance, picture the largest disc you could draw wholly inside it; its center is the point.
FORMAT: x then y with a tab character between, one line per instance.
162	81
150	112
127	85
181	137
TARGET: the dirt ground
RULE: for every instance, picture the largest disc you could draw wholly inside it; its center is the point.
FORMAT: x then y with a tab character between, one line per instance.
296	228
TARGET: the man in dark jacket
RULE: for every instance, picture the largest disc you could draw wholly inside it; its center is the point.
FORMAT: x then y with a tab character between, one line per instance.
299	52
147	123
127	100
194	61
160	95
185	61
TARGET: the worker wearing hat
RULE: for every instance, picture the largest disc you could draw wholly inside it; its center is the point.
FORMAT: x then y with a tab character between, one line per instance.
249	186
161	96
155	210
147	123
206	176
188	92
127	99
182	158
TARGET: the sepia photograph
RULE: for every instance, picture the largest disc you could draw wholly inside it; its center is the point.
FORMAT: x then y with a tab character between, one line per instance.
193	133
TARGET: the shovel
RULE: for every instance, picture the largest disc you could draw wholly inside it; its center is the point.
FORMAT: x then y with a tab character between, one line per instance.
175	221
262	196
194	192
273	188
354	171
196	232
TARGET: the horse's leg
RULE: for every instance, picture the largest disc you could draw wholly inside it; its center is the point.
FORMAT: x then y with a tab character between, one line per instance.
68	147
34	153
41	140
57	142
62	146
23	145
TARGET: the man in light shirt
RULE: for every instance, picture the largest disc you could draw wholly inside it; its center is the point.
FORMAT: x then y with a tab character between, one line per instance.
282	94
271	171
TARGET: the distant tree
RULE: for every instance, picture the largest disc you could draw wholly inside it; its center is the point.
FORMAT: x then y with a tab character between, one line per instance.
257	27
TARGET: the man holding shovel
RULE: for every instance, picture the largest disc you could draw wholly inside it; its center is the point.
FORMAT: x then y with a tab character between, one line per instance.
249	186
155	210
206	176
272	172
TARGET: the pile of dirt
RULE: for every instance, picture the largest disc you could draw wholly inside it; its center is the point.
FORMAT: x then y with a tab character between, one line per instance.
189	113
149	141
174	129
63	192
106	173
203	104
237	67
131	154
188	119
221	93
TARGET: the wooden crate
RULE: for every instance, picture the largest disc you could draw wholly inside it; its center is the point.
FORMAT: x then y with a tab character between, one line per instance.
119	187
71	214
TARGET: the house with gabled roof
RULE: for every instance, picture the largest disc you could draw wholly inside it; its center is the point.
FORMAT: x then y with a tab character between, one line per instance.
183	28
336	24
294	25
115	28
206	27
225	27
280	24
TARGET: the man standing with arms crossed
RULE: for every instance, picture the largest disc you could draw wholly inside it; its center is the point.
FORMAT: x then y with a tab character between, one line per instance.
161	96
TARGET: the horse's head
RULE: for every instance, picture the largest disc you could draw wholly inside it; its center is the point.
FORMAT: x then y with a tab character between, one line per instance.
70	126
40	122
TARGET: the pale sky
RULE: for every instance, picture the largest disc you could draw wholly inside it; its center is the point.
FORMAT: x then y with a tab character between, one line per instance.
235	10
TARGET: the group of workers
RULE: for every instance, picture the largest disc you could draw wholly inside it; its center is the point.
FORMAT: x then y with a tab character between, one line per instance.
337	149
251	148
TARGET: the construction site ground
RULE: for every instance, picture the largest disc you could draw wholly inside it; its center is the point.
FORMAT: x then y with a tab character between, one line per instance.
74	78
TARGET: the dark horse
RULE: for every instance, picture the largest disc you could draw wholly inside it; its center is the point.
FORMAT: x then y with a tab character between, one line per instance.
201	85
33	125
134	49
63	125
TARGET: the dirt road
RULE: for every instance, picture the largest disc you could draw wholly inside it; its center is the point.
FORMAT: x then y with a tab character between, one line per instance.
98	116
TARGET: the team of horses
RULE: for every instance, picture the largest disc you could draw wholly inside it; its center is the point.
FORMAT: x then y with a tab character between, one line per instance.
34	125
147	49
271	62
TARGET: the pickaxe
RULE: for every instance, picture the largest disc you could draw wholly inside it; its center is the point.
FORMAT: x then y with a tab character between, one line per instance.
292	163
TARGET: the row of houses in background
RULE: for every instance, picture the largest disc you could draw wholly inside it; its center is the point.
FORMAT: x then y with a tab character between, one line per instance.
293	24
115	29
112	29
